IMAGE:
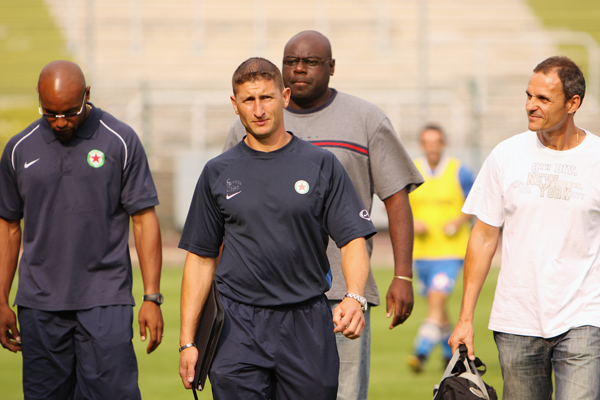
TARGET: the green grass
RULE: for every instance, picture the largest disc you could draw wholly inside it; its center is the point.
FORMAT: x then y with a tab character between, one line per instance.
575	15
29	39
390	377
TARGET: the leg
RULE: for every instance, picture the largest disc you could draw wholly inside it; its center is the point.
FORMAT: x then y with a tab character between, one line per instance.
355	358
428	336
48	354
307	362
428	333
437	279
442	284
526	366
244	360
106	362
576	361
445	336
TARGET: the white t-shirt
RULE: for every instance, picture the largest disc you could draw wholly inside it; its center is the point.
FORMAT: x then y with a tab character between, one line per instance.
549	203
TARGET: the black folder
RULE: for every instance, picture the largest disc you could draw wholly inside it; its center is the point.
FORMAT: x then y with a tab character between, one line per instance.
207	336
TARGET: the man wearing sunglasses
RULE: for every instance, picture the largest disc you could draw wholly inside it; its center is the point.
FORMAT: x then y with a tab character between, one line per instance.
76	176
364	141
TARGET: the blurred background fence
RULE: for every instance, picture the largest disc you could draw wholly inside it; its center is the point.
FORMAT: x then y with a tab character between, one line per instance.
165	67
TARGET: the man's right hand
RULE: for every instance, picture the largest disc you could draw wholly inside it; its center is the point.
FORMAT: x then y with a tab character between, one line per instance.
187	366
463	333
10	338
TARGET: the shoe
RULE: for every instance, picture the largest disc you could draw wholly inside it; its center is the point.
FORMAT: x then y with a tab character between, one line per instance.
416	363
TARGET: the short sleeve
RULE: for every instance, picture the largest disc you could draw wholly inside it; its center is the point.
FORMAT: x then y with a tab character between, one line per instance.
203	230
137	190
392	168
11	203
345	216
486	198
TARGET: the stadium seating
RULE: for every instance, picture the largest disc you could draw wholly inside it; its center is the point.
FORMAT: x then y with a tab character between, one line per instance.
165	67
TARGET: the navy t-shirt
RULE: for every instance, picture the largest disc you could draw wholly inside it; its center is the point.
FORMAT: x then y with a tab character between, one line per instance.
76	198
274	212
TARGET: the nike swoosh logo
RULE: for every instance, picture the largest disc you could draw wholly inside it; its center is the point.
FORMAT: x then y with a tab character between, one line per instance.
231	195
29	164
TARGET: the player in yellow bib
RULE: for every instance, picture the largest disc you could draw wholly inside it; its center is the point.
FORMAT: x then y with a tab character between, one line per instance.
441	235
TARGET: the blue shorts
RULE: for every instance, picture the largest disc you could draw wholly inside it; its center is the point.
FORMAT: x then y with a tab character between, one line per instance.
279	353
437	275
85	354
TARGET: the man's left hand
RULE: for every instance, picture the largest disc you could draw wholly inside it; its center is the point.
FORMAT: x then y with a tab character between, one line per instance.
349	319
399	300
150	317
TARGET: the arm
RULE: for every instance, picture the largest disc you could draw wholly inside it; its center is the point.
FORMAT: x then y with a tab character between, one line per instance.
198	274
146	232
348	316
400	297
480	251
10	244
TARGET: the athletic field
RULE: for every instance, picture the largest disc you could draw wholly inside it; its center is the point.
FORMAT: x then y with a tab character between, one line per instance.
26	47
391	378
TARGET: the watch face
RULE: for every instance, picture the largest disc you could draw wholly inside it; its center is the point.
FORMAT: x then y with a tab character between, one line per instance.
155	298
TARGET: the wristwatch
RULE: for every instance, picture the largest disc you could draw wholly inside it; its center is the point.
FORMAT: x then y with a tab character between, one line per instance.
156	298
363	302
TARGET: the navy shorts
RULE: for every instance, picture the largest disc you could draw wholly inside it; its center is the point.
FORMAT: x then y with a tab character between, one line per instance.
85	354
279	353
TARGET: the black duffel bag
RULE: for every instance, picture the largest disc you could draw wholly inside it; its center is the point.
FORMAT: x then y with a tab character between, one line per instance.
462	379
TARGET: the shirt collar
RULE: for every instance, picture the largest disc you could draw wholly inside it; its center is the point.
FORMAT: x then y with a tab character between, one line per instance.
84	131
315	109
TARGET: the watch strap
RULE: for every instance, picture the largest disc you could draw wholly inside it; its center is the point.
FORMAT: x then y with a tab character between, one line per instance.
360	299
156	298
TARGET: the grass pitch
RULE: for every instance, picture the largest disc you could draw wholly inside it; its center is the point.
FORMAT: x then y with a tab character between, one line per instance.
391	378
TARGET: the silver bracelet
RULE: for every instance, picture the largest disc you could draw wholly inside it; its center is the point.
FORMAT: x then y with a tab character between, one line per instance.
185	346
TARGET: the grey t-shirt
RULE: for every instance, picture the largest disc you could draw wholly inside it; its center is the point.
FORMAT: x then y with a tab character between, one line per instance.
364	140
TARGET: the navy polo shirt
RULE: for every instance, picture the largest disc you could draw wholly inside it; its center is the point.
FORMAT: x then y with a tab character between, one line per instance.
76	198
274	212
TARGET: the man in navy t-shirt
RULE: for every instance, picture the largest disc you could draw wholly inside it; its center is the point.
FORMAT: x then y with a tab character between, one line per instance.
76	176
272	201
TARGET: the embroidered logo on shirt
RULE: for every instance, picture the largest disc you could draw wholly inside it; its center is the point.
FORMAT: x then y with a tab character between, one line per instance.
364	214
30	163
301	187
233	188
96	158
231	195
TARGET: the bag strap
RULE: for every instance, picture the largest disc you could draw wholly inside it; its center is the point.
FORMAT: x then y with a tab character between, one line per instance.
451	365
472	373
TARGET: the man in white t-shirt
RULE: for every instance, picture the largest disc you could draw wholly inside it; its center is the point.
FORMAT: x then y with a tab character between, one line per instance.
543	186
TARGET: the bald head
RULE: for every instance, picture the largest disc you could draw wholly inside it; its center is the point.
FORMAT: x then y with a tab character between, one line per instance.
62	77
313	39
62	90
